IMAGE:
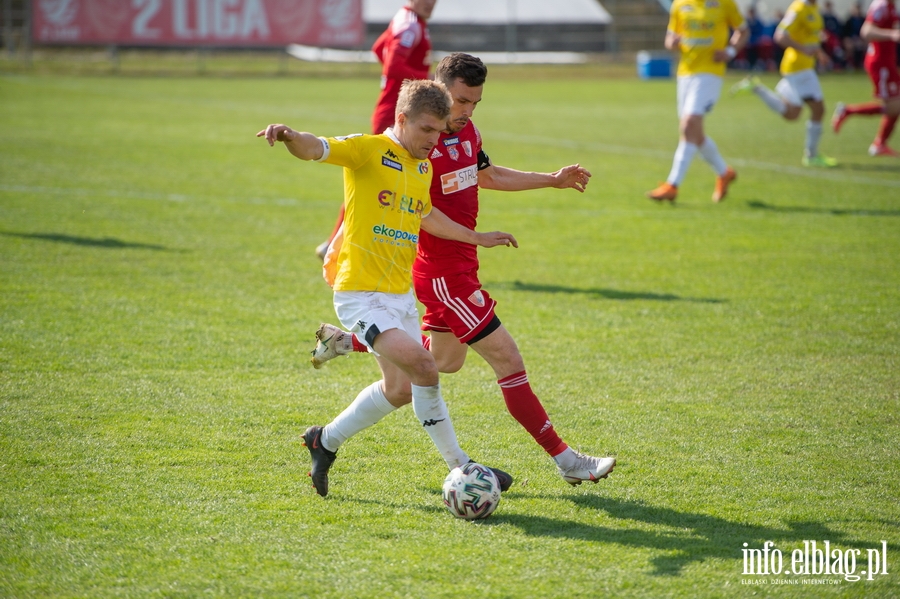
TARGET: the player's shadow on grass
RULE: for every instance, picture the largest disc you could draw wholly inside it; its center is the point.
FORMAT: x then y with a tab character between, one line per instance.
757	205
687	539
106	242
613	294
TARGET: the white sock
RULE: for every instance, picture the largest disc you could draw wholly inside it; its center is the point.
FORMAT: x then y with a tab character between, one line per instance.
710	152
432	412
683	156
813	134
369	407
566	459
771	99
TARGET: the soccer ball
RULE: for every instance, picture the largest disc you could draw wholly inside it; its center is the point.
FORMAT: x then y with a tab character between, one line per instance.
471	491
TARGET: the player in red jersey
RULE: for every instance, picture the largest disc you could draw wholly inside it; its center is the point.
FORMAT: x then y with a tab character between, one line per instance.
458	313
404	50
881	31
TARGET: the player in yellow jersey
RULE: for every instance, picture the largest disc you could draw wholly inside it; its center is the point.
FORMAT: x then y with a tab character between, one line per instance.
702	31
800	34
386	194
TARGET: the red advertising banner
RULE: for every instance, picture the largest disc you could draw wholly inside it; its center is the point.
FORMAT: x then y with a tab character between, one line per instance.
328	23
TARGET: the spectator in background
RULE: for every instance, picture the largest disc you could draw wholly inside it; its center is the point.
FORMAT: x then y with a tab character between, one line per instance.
769	33
757	29
854	44
404	50
833	33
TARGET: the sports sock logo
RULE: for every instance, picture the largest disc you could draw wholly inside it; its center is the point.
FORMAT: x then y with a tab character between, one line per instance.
432	422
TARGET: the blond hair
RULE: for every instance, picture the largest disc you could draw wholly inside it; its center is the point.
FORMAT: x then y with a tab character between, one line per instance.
423	96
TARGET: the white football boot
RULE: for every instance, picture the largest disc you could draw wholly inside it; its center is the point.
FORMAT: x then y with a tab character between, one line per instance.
331	342
587	468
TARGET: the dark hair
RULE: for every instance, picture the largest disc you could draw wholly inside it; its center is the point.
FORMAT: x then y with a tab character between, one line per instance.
461	66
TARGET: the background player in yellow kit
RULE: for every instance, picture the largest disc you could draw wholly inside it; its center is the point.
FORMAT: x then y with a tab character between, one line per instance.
701	31
799	33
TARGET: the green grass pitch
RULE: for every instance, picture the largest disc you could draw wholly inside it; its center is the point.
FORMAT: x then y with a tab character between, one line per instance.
159	295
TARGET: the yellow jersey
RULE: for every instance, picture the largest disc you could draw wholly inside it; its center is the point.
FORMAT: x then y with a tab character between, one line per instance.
802	23
704	26
386	195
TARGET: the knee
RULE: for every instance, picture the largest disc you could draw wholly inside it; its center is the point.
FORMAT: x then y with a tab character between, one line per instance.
449	365
424	370
398	394
791	113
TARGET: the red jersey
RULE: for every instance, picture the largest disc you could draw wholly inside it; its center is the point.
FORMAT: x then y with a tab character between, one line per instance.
882	14
404	50
456	160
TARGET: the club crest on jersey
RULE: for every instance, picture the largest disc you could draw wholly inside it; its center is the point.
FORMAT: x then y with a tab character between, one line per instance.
454	153
423	168
385	161
477	298
467	148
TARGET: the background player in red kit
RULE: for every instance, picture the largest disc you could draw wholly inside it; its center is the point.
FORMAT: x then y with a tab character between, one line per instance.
881	31
404	50
458	313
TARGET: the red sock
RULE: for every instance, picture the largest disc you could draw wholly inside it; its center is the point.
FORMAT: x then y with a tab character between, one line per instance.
865	108
426	342
526	408
359	346
885	130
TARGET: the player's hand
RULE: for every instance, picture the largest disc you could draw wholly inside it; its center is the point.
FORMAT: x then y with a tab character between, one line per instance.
573	176
274	133
495	238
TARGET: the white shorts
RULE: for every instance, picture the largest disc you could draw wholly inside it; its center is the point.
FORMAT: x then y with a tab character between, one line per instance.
697	94
799	87
369	313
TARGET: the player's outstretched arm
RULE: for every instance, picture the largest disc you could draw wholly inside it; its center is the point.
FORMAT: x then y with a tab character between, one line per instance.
871	33
440	225
304	146
501	178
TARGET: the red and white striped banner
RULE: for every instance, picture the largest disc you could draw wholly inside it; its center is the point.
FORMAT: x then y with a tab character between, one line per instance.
328	23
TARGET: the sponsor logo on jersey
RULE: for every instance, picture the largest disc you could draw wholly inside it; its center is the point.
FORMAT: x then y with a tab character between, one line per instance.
385	161
403	203
451	141
459	180
467	148
395	234
390	154
436	153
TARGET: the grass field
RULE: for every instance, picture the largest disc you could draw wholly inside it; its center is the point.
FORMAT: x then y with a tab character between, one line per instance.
160	294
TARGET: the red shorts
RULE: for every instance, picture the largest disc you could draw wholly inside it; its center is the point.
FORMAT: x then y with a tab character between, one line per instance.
885	79
455	304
